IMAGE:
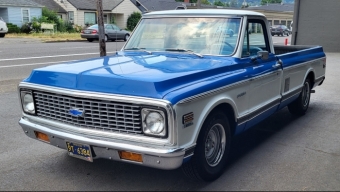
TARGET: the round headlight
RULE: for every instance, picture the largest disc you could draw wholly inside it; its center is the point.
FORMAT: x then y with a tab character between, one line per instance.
28	103
155	122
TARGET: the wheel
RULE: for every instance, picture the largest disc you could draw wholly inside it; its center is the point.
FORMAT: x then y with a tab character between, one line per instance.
89	40
301	104
2	35
212	149
287	33
106	38
127	36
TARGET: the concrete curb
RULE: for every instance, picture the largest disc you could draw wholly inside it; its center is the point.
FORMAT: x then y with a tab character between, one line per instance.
63	41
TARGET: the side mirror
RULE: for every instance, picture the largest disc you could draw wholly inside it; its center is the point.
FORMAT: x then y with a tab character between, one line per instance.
264	55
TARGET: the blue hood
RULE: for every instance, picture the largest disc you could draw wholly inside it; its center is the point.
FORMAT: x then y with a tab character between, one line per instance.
138	75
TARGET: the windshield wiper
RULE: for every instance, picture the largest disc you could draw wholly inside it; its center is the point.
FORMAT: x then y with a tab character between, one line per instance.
140	49
185	50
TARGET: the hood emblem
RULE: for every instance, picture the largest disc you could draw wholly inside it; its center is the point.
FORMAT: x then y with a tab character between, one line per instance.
75	112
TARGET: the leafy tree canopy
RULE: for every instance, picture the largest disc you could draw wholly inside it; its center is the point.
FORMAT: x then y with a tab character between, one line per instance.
264	2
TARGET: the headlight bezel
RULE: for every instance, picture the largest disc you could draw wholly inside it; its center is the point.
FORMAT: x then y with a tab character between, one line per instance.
23	93
145	112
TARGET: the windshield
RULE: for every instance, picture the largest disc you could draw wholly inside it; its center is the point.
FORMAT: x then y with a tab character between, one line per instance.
214	36
93	27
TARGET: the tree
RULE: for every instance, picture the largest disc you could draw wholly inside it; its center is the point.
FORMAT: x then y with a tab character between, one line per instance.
205	2
233	3
219	3
133	20
191	1
264	2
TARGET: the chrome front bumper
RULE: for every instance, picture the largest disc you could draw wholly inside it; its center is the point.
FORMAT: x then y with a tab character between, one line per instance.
160	158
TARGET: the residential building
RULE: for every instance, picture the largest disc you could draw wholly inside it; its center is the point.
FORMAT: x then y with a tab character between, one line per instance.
52	5
279	13
84	12
19	12
157	5
276	14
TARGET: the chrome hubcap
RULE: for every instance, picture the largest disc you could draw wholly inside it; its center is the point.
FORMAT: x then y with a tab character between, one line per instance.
305	94
215	145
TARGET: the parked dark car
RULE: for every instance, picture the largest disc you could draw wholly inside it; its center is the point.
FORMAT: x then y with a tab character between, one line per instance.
279	30
112	32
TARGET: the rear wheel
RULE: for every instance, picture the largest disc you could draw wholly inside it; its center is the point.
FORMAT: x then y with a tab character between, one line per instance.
301	104
212	149
89	40
2	35
127	36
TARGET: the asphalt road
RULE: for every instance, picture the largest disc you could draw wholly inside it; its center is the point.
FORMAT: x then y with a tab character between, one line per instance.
281	153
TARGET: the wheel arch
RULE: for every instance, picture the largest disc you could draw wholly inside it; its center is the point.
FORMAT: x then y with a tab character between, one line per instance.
227	106
311	76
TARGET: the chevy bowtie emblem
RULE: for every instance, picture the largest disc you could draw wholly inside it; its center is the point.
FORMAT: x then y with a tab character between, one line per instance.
75	112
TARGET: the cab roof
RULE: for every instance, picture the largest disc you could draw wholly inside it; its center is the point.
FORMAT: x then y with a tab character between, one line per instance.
222	12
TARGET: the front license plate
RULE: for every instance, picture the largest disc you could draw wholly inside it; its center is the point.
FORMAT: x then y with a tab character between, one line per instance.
79	151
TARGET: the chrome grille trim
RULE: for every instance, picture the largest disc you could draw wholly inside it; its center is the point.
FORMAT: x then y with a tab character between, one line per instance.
171	140
108	116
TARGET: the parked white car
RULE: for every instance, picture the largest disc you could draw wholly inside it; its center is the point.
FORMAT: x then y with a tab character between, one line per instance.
3	28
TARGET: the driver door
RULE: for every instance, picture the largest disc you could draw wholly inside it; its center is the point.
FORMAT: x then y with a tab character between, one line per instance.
266	73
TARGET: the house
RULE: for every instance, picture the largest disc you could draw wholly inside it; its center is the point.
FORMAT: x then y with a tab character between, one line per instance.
84	12
19	12
157	5
278	13
52	5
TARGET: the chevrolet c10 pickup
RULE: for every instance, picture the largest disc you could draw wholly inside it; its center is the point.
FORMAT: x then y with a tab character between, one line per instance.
182	86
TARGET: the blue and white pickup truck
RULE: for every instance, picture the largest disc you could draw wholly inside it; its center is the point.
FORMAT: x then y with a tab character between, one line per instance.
175	94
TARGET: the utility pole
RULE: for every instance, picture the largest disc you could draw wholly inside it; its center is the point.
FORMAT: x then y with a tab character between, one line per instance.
101	29
198	4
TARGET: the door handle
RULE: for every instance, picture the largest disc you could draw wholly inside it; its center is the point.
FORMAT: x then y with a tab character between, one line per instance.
277	65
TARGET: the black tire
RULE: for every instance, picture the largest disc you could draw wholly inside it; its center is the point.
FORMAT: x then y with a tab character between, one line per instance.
2	35
288	33
89	40
210	158
127	36
300	105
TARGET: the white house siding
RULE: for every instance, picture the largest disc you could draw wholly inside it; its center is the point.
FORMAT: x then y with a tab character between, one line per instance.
69	7
80	17
15	14
4	14
123	11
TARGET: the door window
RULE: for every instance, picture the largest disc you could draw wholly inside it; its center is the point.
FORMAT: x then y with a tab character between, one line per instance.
109	27
255	39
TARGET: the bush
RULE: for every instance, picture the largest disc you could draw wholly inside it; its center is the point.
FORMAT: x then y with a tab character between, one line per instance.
26	28
133	20
13	28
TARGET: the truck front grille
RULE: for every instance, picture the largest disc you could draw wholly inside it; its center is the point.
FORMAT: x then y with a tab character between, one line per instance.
102	115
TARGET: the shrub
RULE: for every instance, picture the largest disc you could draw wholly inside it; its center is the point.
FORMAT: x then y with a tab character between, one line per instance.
133	20
13	28
26	28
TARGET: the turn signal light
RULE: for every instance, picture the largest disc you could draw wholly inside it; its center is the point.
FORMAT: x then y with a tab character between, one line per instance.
42	136
130	156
